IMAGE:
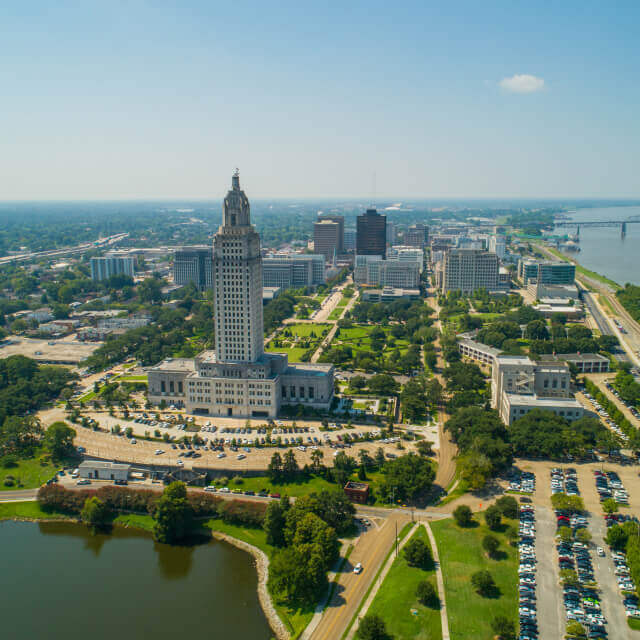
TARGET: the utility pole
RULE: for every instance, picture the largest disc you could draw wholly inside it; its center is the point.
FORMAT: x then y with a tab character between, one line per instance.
396	538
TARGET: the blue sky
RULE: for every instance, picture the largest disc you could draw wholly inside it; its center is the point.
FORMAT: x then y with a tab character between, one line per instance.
456	99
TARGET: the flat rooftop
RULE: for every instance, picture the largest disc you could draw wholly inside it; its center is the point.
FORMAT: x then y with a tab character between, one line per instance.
101	464
175	364
308	369
536	401
573	357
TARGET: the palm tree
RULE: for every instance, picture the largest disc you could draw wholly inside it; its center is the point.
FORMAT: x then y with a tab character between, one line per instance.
316	459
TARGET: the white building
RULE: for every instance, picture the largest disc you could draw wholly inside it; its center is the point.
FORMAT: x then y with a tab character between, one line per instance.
239	379
293	270
468	270
376	272
498	245
110	265
101	470
407	254
519	385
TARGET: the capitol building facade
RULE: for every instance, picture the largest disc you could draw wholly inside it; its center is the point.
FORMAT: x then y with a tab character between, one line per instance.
238	379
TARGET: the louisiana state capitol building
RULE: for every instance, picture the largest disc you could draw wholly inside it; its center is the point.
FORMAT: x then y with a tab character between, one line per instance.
239	379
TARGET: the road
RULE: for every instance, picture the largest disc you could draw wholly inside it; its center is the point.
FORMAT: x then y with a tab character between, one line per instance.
22	495
371	550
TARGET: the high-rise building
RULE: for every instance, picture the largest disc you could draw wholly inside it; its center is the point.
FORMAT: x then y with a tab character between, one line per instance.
371	236
498	245
339	220
378	272
293	270
327	239
417	235
111	265
239	379
349	239
468	270
532	271
193	264
391	233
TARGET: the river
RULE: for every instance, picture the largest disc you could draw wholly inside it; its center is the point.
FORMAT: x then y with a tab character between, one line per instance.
61	583
603	250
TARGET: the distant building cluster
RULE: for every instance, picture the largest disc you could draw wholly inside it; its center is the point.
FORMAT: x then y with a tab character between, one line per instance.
110	265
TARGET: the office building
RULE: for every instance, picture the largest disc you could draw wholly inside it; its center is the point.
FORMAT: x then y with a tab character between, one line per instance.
376	272
293	270
417	235
238	379
111	265
327	239
391	233
349	239
410	254
519	385
339	220
498	245
468	270
546	272
193	265
371	234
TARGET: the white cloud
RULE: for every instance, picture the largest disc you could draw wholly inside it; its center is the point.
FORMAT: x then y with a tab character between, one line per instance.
522	83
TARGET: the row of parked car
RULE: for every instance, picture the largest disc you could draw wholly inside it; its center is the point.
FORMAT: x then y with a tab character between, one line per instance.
564	481
609	485
527	608
522	481
606	418
634	411
581	600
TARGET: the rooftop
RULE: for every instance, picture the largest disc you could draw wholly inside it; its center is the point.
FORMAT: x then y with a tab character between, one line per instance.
544	403
175	364
101	464
573	357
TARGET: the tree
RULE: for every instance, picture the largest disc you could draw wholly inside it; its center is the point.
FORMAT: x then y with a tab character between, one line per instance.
609	505
358	383
490	544
417	553
475	469
569	578
407	477
463	515
383	384
274	470
575	630
504	628
298	574
434	392
572	504
427	594
483	583
583	535
274	521
565	534
508	505
372	627
424	447
58	438
616	537
316	459
172	514
95	512
289	465
537	330
493	517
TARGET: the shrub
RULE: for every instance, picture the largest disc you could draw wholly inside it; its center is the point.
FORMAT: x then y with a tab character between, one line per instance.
463	515
493	517
427	594
372	627
9	461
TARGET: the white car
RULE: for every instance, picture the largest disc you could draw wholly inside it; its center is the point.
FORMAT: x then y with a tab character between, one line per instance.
159	452
600	551
222	455
241	456
357	568
210	489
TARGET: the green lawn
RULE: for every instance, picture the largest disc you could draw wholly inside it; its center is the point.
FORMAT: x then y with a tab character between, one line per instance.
299	332
27	511
132	378
294	489
396	602
461	555
30	472
294	353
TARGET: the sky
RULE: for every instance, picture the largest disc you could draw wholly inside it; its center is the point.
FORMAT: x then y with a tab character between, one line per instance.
140	100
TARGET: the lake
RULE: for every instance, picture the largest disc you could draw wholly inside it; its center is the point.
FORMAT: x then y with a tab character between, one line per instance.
602	249
59	582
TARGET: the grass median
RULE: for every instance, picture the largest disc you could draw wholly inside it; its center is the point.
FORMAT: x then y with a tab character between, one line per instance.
461	555
396	601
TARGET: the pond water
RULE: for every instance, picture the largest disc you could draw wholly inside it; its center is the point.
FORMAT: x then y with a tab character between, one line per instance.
60	582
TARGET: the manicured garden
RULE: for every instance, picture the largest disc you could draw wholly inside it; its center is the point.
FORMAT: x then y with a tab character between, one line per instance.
397	603
461	555
298	341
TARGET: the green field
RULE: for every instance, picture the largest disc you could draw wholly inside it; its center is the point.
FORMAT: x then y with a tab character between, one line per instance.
296	488
299	342
29	473
396	602
461	555
27	511
358	339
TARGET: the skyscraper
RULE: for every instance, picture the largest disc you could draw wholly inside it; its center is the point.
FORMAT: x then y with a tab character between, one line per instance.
193	264
339	220
327	239
237	281
371	234
239	379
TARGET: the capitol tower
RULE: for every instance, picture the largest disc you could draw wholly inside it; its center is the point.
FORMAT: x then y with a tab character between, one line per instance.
239	379
237	281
